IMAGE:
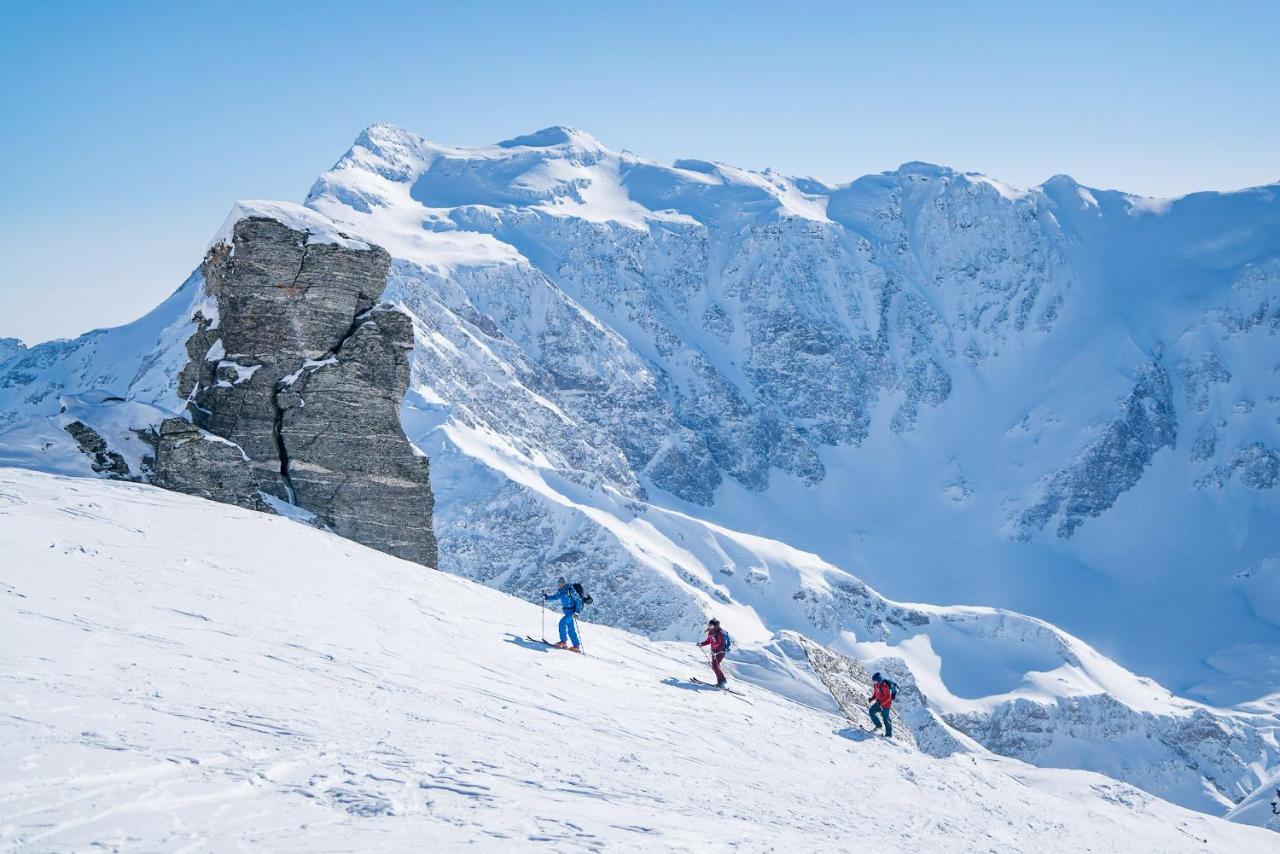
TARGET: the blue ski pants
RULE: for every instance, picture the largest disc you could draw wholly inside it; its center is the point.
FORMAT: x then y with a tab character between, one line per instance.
568	628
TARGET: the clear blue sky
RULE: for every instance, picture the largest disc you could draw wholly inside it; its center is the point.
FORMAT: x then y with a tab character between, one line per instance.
130	128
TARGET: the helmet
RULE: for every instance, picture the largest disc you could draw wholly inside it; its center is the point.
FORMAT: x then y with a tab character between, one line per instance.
562	581
876	677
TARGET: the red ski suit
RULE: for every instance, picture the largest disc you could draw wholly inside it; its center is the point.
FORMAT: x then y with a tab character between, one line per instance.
880	693
715	639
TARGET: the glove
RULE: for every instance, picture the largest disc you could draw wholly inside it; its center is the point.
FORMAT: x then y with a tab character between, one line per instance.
544	595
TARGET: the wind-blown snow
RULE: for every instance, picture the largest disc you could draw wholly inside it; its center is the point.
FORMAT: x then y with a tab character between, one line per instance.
181	674
318	229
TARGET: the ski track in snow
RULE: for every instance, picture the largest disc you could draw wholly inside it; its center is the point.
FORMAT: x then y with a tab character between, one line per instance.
180	675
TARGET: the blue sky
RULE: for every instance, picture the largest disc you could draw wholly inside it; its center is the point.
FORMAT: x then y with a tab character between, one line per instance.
130	128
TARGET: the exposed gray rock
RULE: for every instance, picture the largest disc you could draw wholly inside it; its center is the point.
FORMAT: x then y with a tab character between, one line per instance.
1112	463
342	416
1257	465
1199	375
281	301
104	460
932	735
850	686
195	461
303	380
1205	444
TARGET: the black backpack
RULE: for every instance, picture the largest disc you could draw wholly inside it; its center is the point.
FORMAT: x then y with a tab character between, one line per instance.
582	594
893	689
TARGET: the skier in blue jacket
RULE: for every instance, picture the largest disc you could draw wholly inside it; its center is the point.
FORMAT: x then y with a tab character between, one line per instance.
571	604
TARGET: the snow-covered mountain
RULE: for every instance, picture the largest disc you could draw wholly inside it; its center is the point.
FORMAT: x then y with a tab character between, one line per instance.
181	675
961	391
702	389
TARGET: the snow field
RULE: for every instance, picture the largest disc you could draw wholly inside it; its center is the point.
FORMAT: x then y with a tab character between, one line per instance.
182	675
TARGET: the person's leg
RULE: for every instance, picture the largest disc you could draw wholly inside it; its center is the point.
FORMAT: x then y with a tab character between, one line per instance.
564	627
888	723
874	711
573	629
716	658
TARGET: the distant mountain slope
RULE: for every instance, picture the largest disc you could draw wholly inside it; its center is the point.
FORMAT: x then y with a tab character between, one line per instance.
175	678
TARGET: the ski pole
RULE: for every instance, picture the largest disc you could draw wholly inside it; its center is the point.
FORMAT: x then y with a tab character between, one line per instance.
582	647
543	609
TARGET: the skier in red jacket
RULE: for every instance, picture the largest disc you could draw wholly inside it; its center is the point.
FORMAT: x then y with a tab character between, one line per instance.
718	640
882	694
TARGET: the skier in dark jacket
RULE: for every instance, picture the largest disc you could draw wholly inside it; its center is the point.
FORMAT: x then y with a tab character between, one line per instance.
881	699
570	604
718	640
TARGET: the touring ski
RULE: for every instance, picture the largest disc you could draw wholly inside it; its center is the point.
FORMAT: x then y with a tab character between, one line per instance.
697	681
532	639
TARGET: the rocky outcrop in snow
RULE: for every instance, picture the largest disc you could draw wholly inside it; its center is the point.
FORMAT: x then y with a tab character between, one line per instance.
300	372
1112	463
90	443
1257	466
850	685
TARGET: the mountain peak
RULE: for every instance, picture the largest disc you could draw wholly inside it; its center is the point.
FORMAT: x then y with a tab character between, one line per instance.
551	137
10	347
1061	180
929	170
386	133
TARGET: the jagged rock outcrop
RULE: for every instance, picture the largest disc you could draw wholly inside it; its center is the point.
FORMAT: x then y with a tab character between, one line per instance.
105	460
294	380
850	686
198	462
1113	463
1257	465
327	436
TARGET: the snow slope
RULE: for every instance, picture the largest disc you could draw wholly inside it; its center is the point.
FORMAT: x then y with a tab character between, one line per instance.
181	674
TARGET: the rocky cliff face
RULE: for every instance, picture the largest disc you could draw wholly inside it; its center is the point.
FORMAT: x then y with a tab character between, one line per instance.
299	372
1208	757
1114	462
